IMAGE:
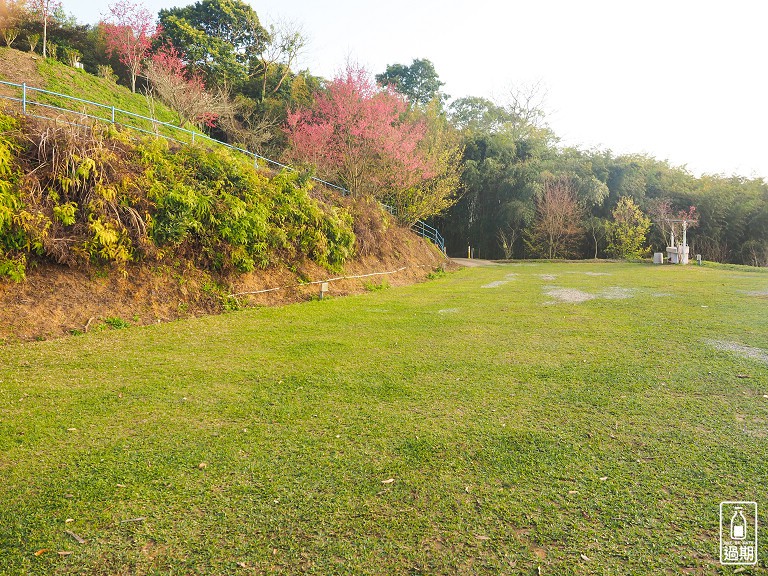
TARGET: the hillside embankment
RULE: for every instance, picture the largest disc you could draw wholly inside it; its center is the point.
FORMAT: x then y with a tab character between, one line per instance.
56	300
101	228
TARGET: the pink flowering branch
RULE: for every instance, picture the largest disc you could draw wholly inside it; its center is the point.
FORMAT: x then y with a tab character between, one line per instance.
357	133
128	34
183	91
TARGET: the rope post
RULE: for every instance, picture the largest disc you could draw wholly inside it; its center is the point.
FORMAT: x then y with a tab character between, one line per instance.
24	98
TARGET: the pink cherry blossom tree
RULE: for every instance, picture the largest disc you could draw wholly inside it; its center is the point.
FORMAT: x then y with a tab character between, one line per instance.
128	33
359	135
185	92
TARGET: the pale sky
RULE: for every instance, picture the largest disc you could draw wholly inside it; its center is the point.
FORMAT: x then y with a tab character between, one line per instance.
681	80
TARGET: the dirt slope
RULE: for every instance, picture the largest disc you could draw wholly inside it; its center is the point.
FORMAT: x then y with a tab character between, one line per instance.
18	67
57	300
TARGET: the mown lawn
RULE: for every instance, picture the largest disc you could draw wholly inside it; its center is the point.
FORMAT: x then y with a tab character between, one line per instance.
443	428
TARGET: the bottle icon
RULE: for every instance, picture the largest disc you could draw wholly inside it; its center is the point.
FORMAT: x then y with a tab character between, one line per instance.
738	525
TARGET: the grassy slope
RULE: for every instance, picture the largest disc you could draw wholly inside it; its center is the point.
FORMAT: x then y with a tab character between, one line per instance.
58	77
496	416
74	82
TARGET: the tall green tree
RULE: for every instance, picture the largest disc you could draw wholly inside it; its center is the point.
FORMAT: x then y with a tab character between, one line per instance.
478	115
419	82
220	38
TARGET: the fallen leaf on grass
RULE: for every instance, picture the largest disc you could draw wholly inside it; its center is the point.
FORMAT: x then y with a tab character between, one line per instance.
743	376
584	557
78	539
63	552
71	429
68	520
603	478
242	565
573	492
482	537
388	481
120	485
41	551
202	465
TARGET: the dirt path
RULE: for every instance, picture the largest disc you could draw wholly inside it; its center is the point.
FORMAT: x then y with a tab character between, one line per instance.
474	262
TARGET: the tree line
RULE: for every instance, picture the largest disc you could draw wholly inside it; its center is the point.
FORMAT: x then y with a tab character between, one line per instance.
491	175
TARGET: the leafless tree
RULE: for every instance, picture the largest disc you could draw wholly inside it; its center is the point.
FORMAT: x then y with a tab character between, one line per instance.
276	57
250	128
507	238
525	105
557	228
186	94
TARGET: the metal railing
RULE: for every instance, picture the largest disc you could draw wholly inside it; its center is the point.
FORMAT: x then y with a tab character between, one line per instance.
430	232
152	126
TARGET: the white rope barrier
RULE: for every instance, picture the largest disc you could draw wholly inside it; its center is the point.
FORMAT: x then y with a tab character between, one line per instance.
323	281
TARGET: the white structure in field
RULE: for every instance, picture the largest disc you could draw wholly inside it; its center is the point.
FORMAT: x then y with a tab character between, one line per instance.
677	252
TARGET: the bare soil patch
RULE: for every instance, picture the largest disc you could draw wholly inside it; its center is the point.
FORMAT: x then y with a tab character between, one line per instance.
18	67
617	293
758	293
749	352
574	296
570	295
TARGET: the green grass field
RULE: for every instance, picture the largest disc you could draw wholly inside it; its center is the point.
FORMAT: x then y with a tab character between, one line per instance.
443	428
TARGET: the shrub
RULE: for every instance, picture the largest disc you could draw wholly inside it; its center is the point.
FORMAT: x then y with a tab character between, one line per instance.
12	259
627	232
81	195
214	206
116	323
33	40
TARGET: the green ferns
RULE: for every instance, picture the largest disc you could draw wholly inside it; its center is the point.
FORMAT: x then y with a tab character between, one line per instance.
214	206
80	196
12	241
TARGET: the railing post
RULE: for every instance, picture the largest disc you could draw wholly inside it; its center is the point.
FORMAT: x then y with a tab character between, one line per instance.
193	137
24	98
113	114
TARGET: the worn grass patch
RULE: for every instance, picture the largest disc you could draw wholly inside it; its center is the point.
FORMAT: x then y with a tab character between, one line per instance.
440	429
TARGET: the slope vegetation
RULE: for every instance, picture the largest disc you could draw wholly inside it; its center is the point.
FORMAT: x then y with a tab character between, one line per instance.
98	224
